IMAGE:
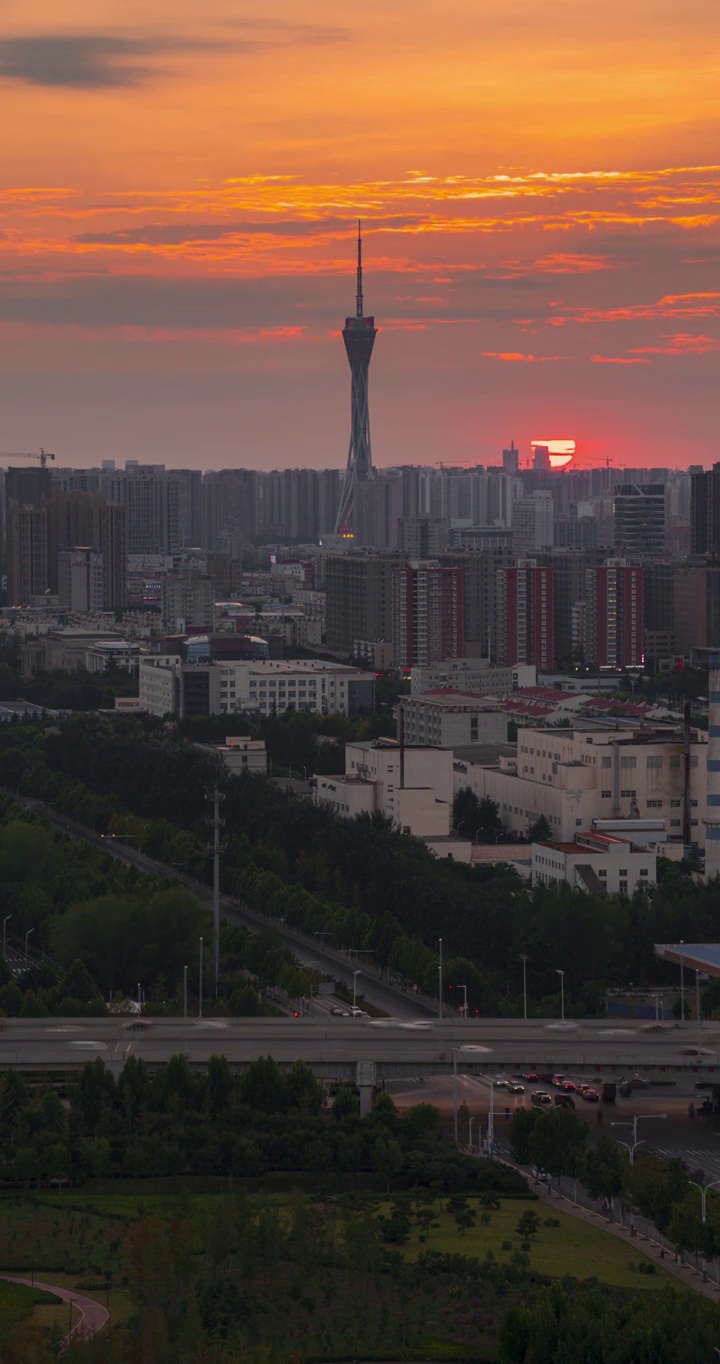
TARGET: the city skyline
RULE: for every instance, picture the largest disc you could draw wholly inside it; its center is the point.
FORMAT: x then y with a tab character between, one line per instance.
539	204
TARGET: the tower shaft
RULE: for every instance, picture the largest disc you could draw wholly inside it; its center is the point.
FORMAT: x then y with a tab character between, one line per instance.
359	335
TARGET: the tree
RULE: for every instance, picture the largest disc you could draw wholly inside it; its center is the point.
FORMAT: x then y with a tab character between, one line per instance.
346	1103
603	1169
426	1215
539	831
522	1126
527	1225
386	1158
557	1142
395	1228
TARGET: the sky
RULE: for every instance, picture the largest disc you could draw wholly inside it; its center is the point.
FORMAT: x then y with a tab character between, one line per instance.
540	195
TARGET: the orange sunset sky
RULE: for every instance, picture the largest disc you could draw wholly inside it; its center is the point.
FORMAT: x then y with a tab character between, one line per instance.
539	183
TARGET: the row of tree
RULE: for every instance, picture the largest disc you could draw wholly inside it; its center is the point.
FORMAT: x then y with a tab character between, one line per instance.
359	880
660	1191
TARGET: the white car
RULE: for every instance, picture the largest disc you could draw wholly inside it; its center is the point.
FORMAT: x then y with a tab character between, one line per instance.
500	1083
355	1012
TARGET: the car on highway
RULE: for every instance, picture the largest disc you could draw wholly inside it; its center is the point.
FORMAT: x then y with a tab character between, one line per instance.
569	1086
541	1098
339	1013
590	1095
558	1080
563	1100
500	1082
355	1012
515	1088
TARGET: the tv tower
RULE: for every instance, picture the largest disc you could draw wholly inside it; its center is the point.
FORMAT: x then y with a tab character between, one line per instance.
359	335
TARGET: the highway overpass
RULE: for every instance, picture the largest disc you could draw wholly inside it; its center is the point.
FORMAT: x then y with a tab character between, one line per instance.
367	1052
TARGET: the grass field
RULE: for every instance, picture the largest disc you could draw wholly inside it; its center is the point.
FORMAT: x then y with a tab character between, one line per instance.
17	1303
572	1248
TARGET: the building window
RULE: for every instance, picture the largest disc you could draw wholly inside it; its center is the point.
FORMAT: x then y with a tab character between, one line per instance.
654	805
606	794
623	887
578	823
675	823
675	804
607	762
654	762
628	762
628	795
644	871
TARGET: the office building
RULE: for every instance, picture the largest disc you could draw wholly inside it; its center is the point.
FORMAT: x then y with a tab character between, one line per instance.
596	863
412	788
270	686
705	511
511	459
427	613
446	718
476	675
526	615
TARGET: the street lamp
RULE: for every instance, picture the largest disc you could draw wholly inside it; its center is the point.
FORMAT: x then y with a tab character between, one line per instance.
7	916
561	974
703	1211
682	981
470	1128
184	991
201	981
355	976
27	935
440	998
523	958
639	1117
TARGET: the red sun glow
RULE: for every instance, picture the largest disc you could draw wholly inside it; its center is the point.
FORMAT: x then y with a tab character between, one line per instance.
560	451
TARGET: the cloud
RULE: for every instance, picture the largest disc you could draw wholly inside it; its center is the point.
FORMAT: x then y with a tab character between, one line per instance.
516	357
679	343
617	360
89	61
176	234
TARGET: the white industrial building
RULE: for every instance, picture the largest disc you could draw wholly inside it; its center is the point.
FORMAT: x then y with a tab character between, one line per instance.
413	787
595	863
446	718
240	754
574	777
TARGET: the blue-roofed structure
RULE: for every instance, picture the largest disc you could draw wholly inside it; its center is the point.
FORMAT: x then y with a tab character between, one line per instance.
699	956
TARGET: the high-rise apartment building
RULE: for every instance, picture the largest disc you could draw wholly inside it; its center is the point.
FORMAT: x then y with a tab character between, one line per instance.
480	626
359	597
28	554
511	459
427	614
640	519
152	497
614	615
80	580
526	615
705	511
533	523
421	538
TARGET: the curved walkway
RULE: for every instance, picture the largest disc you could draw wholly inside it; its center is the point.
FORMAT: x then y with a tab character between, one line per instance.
93	1315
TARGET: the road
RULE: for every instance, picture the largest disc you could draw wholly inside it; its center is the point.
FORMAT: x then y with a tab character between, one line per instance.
382	994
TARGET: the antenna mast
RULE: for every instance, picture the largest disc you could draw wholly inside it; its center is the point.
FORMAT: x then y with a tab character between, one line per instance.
359	301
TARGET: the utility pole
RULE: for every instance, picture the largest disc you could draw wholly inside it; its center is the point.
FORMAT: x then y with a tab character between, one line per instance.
440	981
216	796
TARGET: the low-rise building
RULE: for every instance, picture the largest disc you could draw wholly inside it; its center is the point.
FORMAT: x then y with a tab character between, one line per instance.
445	718
476	675
412	787
240	754
267	685
595	863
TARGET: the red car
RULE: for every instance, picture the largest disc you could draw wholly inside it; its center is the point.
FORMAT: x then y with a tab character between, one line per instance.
568	1086
531	1075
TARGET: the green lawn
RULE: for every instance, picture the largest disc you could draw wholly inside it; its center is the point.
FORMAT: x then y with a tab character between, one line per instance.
17	1303
572	1248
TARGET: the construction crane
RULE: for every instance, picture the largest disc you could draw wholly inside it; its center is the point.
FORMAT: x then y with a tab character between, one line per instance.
42	455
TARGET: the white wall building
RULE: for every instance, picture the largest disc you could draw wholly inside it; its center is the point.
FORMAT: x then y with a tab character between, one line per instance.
574	777
413	788
595	862
266	685
241	754
477	675
80	580
445	718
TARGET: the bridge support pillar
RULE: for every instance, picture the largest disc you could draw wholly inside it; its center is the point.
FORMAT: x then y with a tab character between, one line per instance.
365	1081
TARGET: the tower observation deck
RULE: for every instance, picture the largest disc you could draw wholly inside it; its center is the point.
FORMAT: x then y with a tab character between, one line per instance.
359	335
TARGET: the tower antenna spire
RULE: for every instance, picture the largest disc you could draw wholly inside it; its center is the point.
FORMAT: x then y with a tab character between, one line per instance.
359	301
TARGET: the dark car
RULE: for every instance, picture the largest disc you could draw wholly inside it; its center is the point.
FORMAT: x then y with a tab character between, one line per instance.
564	1101
541	1099
591	1096
568	1086
531	1076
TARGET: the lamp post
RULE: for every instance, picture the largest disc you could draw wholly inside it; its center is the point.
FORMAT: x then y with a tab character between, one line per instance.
7	916
698	1019
27	935
470	1128
639	1117
440	981
491	1121
561	974
201	981
455	1094
703	1212
463	1006
682	981
184	991
523	958
355	976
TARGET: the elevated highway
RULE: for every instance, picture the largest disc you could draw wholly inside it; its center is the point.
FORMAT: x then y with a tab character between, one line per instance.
367	1052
